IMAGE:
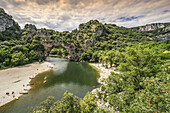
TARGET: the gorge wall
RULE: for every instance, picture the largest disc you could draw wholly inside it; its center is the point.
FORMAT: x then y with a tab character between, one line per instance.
81	39
150	27
160	30
6	21
51	39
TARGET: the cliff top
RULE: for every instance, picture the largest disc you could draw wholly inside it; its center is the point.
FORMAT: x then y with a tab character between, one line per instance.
2	10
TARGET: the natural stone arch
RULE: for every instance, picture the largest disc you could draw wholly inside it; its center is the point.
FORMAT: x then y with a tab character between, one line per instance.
69	48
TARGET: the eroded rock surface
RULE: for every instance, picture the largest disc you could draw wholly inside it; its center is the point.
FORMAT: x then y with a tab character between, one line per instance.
6	21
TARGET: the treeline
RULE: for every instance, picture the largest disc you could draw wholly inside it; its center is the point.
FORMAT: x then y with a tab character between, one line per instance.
141	86
19	52
114	38
110	57
68	104
143	82
94	36
59	51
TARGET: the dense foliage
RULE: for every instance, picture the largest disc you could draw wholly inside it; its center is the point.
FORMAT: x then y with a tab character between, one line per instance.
14	53
114	37
68	104
59	51
87	42
11	33
142	84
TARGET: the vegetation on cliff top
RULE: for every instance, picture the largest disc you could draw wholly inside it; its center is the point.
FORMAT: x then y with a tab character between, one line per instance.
141	86
83	44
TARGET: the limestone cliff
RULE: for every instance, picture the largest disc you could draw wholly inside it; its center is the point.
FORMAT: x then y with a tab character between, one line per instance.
163	37
6	22
150	27
78	41
93	30
73	43
160	30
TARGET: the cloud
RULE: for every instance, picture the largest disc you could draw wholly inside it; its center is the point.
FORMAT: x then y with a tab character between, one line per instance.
64	15
42	2
166	11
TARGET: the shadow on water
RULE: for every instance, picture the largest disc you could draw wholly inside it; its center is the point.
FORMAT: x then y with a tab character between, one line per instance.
78	78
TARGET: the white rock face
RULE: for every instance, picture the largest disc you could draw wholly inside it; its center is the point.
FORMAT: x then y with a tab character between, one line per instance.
167	28
6	21
150	27
163	37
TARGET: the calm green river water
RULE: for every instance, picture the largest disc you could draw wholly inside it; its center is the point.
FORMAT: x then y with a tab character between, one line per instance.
78	78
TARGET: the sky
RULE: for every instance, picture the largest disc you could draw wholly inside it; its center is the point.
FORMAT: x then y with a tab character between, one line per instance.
66	15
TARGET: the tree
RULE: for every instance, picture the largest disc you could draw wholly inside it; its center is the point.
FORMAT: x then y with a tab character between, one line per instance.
19	59
45	106
35	55
153	98
139	65
68	104
4	53
88	104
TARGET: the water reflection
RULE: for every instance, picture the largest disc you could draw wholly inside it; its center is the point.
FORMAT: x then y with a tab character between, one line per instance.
60	65
76	78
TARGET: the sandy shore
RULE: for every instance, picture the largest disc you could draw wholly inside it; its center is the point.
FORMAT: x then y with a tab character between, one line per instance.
13	79
104	73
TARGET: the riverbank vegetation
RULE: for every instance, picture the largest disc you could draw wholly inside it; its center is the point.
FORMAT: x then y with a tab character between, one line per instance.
68	104
142	84
15	53
142	60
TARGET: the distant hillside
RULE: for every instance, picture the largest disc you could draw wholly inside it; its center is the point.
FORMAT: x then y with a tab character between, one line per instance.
142	84
92	34
82	43
160	30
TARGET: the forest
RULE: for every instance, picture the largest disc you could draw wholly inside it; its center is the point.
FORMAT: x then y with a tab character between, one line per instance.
26	43
141	86
143	62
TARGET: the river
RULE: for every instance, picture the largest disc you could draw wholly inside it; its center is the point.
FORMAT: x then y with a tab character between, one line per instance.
77	78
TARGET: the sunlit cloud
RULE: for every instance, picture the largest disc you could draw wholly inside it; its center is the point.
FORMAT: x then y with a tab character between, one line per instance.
68	14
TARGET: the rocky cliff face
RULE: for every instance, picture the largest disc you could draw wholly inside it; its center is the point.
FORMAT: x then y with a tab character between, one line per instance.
49	39
30	27
160	30
163	37
84	39
150	27
89	40
31	32
167	28
6	21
